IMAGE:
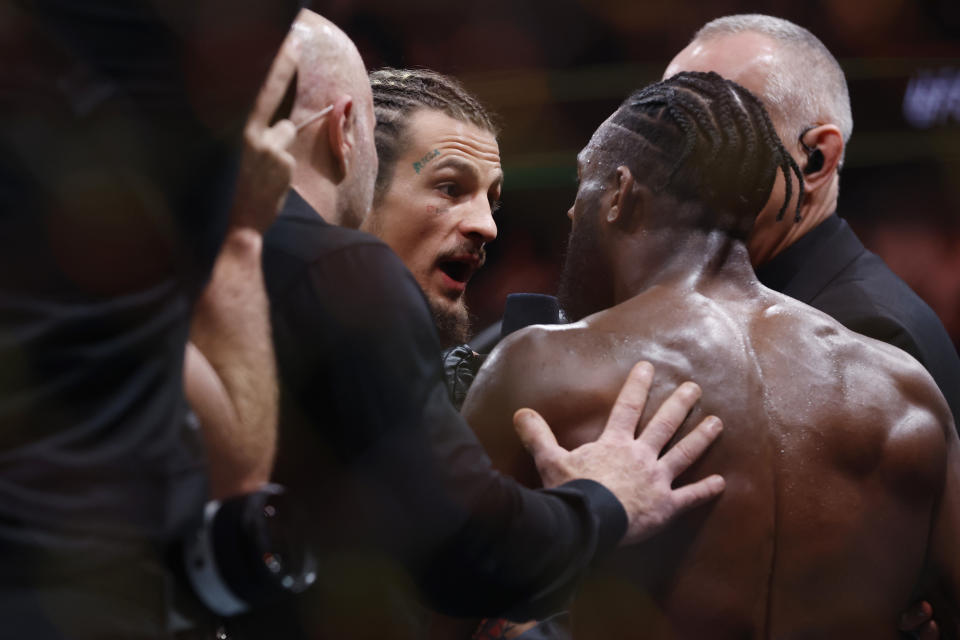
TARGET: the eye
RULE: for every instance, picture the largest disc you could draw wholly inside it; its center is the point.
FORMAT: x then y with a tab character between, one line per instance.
494	206
449	189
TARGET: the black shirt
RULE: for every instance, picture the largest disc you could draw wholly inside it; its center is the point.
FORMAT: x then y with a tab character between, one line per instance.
398	487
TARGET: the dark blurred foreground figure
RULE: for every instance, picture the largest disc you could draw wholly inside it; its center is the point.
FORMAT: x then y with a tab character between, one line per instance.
819	260
843	485
120	131
403	503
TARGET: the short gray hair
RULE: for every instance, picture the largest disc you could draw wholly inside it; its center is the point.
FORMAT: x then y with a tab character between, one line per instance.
807	86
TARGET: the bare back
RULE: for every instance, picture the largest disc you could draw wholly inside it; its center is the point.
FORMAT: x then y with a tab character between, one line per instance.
834	454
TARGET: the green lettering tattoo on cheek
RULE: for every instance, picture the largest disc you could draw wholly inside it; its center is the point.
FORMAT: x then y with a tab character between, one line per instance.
421	163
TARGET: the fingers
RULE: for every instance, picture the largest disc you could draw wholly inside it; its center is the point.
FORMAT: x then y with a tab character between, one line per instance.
693	495
630	402
536	436
268	159
278	140
684	453
275	86
671	414
266	169
281	135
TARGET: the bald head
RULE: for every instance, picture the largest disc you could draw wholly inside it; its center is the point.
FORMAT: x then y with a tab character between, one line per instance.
329	64
333	110
805	92
798	79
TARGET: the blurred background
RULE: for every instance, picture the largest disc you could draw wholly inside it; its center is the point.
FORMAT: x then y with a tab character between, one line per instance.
554	69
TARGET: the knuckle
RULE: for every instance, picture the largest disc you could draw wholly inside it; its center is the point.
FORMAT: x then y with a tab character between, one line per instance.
659	423
684	452
630	405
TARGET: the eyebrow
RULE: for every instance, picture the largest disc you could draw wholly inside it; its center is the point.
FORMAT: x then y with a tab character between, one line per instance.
456	163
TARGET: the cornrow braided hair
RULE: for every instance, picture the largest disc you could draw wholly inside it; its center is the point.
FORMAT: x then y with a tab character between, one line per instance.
398	93
707	139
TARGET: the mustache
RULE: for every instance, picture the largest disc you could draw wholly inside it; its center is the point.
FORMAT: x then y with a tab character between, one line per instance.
470	249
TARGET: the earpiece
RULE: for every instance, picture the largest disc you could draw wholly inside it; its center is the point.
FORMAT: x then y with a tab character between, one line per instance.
814	161
814	155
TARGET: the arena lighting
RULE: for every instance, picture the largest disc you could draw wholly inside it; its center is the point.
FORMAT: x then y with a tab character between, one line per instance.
932	98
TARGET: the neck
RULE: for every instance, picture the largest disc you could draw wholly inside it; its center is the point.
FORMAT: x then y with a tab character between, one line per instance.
321	195
765	243
313	177
684	259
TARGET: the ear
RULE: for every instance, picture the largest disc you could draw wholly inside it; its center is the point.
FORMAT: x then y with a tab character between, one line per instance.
823	149
629	195
342	134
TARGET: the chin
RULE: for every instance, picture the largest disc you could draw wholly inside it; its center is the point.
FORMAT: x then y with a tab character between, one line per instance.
452	321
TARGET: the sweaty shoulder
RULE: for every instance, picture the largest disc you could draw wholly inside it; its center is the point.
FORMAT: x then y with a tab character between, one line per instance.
525	355
539	367
867	404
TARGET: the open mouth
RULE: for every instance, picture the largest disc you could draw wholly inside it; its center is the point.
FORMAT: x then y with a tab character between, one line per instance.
456	270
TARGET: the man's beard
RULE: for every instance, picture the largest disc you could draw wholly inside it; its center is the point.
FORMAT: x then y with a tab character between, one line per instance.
584	283
453	324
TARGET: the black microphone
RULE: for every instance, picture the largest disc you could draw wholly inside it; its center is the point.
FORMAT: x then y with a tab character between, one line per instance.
525	309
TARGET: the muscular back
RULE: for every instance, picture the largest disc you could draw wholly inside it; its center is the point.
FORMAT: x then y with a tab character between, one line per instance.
834	455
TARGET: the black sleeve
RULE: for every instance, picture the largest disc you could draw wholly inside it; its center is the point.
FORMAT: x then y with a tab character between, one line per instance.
360	360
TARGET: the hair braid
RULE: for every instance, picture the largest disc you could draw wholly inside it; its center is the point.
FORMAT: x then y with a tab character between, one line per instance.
398	93
689	139
721	146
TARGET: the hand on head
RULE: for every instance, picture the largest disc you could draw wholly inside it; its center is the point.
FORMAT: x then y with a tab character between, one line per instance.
629	465
266	165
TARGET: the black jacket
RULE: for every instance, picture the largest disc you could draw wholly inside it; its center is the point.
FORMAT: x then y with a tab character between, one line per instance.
398	488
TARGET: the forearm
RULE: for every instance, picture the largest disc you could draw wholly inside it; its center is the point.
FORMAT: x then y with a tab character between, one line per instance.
238	403
524	562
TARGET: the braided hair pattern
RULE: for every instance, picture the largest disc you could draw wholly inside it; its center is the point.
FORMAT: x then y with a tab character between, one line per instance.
398	93
702	138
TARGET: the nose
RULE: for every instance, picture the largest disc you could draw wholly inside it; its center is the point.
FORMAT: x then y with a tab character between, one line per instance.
478	222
